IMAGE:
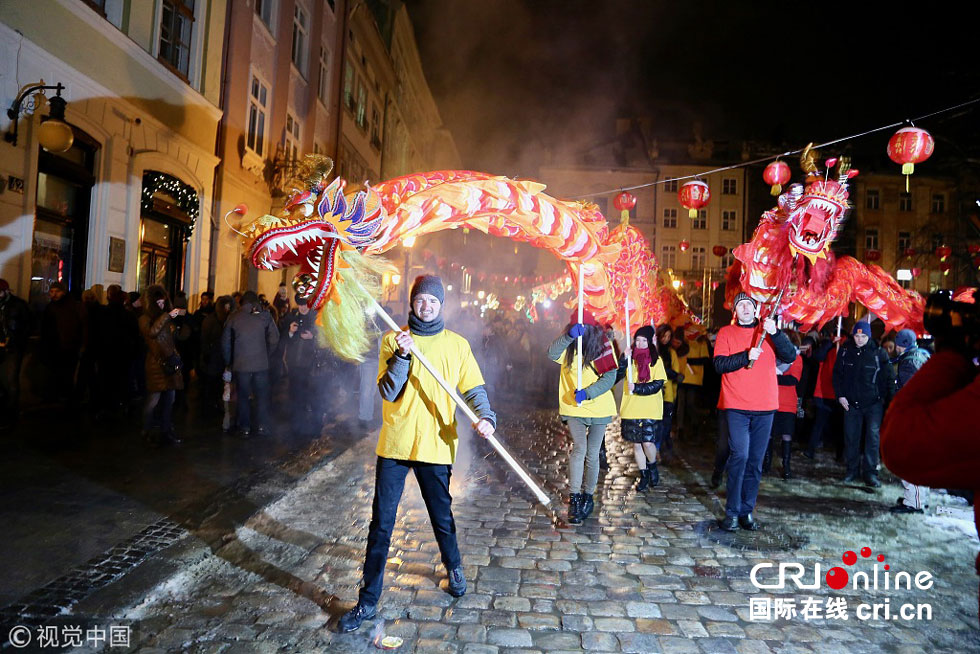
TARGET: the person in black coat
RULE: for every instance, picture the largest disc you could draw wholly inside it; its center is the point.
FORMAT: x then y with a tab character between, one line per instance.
864	381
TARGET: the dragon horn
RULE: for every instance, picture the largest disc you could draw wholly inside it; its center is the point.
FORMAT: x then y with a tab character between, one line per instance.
843	165
808	159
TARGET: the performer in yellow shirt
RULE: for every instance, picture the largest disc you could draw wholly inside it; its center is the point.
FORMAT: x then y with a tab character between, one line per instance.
586	410
419	434
642	406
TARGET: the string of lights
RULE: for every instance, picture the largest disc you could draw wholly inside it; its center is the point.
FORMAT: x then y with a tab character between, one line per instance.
744	164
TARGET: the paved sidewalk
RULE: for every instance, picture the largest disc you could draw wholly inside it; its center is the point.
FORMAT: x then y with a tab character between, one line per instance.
647	573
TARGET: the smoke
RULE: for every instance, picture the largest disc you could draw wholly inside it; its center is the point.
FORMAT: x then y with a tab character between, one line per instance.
524	84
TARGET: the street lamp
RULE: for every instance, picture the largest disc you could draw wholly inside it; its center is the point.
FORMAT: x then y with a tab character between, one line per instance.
55	135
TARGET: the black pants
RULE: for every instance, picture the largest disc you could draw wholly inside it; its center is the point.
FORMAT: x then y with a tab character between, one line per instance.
866	419
389	482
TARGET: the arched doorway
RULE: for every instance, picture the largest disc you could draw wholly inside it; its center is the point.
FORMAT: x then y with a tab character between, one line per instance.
168	210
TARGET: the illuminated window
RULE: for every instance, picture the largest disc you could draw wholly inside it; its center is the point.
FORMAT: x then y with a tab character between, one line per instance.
290	138
699	258
300	38
701	222
871	239
257	111
176	25
904	242
323	81
905	202
265	10
729	222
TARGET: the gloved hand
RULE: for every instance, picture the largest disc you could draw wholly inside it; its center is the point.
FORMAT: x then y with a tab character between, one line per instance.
576	330
580	396
226	375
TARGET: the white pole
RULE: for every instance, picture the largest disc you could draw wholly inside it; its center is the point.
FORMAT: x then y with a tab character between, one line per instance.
497	445
629	347
581	301
839	318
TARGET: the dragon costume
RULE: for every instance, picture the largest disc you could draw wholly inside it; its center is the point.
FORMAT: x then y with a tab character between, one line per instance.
335	236
790	251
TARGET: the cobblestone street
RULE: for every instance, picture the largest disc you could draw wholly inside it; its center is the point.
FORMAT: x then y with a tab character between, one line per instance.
647	573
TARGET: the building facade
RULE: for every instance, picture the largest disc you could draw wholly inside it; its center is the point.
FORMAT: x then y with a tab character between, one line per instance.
281	102
900	231
130	202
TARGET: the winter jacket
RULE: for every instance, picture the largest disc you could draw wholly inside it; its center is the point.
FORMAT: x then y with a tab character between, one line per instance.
909	363
255	336
300	351
743	388
15	323
863	375
212	359
598	388
418	415
63	327
788	383
158	334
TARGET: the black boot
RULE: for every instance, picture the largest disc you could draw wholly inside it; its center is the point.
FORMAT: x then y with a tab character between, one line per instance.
644	480
787	453
575	509
654	474
767	459
587	505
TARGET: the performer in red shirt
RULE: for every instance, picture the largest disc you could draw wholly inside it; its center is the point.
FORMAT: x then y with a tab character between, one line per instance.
749	397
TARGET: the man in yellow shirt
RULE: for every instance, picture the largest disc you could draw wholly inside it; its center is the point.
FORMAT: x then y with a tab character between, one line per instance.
418	433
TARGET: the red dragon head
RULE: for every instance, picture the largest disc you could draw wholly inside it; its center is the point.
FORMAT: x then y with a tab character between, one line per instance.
815	215
313	228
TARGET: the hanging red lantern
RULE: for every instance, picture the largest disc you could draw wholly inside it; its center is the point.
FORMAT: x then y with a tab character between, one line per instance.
910	252
684	245
976	261
916	272
872	255
693	196
715	285
943	252
699	283
624	202
973	249
719	250
945	267
909	146
776	174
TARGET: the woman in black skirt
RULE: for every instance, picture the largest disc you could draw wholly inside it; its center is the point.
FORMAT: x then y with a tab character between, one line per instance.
642	405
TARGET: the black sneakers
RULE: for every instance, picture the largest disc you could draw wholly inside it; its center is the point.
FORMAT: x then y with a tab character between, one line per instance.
457	582
351	620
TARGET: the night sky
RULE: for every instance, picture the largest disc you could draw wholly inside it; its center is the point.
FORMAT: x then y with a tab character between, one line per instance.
521	84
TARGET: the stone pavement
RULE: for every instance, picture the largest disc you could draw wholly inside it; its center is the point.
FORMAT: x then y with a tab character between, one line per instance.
647	573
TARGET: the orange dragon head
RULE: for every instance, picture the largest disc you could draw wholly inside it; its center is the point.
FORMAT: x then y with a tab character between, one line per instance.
815	215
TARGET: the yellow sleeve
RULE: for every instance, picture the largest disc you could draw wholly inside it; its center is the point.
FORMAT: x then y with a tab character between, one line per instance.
659	372
469	370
